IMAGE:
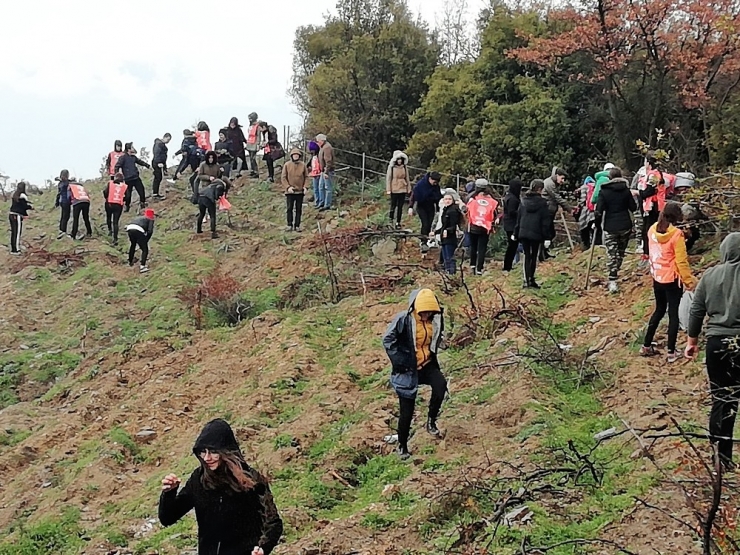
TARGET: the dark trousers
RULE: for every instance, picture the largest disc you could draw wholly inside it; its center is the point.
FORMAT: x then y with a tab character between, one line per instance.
531	255
270	166
112	217
16	228
478	248
253	168
64	218
192	160
431	375
158	174
511	247
397	202
294	209
84	209
667	298
723	368
426	215
138	239
206	205
448	256
648	222
135	183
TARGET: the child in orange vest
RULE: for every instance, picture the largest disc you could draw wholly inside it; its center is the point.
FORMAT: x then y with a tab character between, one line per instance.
669	266
80	205
114	195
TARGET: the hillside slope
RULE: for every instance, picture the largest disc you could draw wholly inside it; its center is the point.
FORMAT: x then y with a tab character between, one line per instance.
95	353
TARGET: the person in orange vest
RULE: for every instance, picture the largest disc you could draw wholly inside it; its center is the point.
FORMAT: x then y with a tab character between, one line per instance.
114	195
669	266
113	156
80	205
140	230
253	144
481	215
203	139
652	191
315	173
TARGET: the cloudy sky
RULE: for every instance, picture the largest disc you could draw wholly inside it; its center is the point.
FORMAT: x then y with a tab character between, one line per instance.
79	74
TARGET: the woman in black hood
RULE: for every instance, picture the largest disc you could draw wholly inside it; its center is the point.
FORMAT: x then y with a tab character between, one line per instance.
511	202
235	134
233	504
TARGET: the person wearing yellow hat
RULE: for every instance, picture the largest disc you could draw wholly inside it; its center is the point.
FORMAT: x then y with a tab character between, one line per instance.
412	342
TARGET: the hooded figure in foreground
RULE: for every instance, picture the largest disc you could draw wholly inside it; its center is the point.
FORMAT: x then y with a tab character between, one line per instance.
412	342
718	297
233	504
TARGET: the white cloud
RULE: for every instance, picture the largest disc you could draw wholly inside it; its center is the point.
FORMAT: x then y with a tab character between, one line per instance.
102	70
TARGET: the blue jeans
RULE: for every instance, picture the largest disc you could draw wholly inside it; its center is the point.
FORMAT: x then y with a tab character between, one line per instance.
318	198
326	188
448	255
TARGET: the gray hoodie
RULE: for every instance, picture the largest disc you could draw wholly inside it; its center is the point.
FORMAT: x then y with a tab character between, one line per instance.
718	294
553	196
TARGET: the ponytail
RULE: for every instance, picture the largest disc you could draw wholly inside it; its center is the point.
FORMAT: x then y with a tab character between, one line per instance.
671	215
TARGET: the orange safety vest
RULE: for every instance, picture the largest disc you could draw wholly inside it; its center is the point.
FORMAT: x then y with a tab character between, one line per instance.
663	256
116	192
114	156
659	196
315	167
481	210
252	134
78	193
203	140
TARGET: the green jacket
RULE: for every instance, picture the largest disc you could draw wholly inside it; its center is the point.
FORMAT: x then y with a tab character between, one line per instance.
601	178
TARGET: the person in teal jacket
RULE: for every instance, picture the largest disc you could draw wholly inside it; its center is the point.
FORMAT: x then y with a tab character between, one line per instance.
601	178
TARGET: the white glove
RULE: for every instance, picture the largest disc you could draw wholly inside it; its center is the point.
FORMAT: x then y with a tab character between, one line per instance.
411	211
513	238
547	244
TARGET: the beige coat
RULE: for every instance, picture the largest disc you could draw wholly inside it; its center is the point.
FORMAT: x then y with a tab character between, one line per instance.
397	179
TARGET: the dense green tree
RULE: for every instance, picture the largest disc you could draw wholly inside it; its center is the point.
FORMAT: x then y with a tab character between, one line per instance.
361	75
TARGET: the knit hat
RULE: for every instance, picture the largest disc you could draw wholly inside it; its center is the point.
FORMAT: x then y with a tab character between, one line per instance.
313	146
481	184
426	301
590	179
149	214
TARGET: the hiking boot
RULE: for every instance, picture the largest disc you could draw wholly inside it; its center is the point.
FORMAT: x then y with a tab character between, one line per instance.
214	235
110	233
143	269
432	428
115	242
613	287
271	179
398	225
403	452
649	351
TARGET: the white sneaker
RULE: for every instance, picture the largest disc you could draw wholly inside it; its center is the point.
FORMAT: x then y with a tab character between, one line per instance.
613	287
143	269
61	234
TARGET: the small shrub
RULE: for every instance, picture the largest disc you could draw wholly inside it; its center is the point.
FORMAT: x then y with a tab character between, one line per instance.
219	294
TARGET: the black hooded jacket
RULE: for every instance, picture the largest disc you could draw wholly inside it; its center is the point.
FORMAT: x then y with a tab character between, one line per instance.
533	222
127	165
159	152
615	205
237	138
511	203
229	523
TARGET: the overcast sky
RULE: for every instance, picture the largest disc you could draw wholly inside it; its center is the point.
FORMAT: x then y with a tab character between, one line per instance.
79	74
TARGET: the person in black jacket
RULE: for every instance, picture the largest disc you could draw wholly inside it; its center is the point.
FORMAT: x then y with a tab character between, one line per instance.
532	228
273	149
223	152
63	201
614	209
140	230
412	342
511	203
452	218
424	200
207	202
159	162
19	208
235	134
233	504
127	166
189	152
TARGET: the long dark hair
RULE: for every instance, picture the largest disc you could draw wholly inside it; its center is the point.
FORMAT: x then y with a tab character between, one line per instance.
230	474
64	175
20	189
671	214
203	126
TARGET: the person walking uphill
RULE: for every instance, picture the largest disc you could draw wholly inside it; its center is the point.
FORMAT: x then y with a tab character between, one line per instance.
718	297
532	229
481	216
512	202
233	503
253	144
63	201
554	201
140	230
80	206
424	200
235	135
294	178
19	207
653	194
327	162
614	209
669	266
127	165
189	152
397	184
159	163
412	342
114	195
